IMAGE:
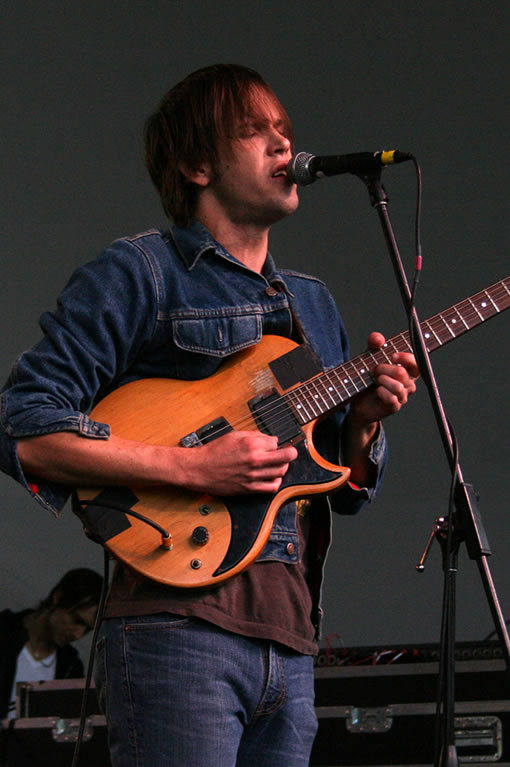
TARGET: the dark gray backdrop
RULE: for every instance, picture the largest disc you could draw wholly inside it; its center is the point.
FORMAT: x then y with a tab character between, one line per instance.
430	78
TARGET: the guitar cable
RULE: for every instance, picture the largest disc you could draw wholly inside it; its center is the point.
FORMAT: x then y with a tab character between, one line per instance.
166	541
447	540
92	656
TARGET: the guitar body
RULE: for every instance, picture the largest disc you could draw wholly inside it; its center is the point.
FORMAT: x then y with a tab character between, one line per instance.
212	538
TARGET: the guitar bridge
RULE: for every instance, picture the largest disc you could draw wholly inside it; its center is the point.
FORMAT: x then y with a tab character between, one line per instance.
207	433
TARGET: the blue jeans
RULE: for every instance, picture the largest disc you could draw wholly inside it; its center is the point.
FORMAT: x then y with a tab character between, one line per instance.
182	692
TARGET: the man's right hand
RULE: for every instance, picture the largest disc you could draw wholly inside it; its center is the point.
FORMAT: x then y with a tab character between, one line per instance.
239	462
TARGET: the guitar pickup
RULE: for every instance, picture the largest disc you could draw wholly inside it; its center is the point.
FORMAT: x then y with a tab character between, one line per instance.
207	433
273	416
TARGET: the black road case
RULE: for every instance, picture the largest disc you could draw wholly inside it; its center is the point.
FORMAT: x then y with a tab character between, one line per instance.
45	729
373	712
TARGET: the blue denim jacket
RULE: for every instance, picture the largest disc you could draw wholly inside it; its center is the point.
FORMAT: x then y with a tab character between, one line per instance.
173	304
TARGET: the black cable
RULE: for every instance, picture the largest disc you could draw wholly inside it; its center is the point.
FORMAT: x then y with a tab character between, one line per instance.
448	544
115	507
92	655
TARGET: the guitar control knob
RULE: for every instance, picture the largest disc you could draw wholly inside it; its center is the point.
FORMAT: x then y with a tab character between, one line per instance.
200	535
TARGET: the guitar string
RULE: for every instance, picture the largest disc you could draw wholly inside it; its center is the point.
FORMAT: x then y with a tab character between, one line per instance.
280	408
437	324
269	411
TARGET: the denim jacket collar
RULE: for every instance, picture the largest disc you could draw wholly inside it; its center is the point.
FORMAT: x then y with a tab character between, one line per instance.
192	242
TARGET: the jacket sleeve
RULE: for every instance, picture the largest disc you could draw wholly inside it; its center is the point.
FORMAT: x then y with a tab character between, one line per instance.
350	499
103	317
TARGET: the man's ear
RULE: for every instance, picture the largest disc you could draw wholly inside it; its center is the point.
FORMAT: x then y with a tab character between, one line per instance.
200	174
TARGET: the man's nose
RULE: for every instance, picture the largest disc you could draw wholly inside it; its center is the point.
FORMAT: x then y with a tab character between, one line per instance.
279	142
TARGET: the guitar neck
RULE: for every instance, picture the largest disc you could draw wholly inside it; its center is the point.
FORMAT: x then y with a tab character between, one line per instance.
337	386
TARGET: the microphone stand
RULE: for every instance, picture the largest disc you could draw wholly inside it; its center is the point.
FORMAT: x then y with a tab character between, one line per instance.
463	525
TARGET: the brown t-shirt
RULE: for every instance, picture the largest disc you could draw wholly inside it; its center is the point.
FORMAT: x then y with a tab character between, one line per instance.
268	600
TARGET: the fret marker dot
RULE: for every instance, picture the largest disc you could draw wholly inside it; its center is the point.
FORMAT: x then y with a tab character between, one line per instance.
427	335
454	321
484	304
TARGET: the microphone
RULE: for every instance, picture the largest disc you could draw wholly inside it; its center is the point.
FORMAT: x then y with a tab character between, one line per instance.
305	168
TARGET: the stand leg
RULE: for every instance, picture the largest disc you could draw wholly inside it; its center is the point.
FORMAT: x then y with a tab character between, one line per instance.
465	525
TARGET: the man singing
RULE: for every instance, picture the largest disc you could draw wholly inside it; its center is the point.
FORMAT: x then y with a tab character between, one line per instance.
219	676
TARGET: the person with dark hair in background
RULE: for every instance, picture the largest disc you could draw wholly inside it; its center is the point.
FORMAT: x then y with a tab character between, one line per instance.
219	676
35	644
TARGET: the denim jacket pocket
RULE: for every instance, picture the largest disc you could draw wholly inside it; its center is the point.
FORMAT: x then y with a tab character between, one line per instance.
217	336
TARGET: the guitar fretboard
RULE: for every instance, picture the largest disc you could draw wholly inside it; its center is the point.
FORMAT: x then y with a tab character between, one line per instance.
340	384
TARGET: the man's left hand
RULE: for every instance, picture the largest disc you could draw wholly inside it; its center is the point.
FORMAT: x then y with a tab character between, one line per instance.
393	384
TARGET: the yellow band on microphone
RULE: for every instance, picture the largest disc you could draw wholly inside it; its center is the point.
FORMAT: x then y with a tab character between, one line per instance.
388	158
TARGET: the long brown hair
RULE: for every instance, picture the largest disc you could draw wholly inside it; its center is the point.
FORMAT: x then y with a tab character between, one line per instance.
193	119
80	587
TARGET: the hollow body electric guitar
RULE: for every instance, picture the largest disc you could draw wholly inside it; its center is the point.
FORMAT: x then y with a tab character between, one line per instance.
187	539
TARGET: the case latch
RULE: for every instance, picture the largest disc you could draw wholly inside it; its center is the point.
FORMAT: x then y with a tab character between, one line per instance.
478	738
66	730
369	719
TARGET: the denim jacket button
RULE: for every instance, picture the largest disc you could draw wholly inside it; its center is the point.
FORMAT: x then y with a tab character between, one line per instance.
290	548
270	291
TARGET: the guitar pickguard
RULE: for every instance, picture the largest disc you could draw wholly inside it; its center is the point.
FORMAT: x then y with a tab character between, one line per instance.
248	511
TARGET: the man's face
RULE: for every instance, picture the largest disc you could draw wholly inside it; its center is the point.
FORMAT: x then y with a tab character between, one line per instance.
65	625
249	181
